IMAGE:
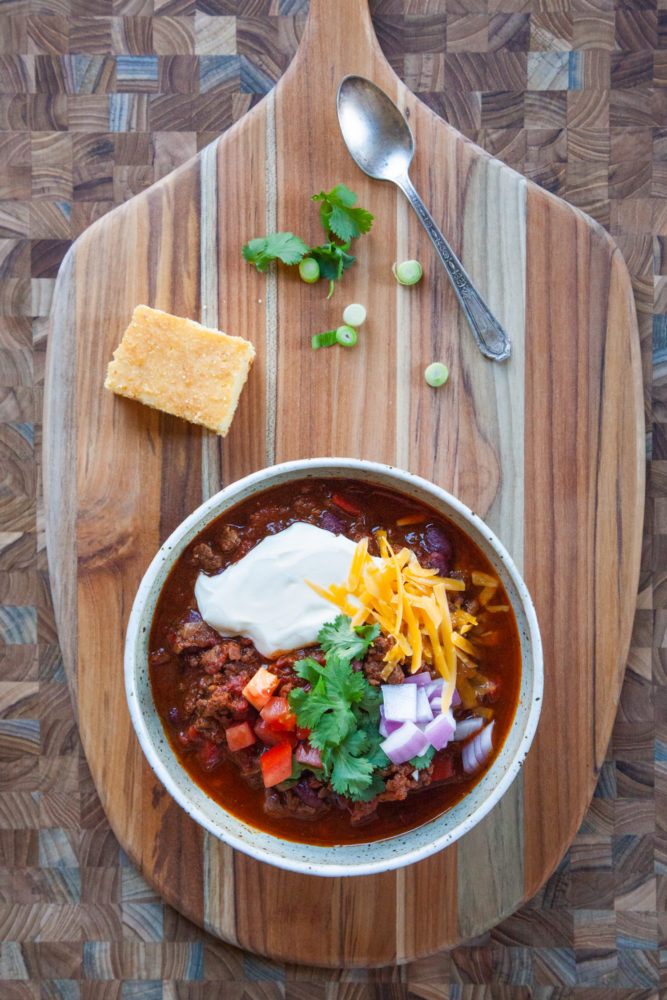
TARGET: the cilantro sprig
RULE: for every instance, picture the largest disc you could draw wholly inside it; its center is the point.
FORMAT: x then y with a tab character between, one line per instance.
278	246
340	215
343	221
341	710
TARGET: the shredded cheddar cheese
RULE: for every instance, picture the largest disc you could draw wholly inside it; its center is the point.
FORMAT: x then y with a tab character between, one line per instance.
409	602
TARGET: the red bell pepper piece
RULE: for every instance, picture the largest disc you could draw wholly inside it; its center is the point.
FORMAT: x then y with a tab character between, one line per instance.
344	504
276	764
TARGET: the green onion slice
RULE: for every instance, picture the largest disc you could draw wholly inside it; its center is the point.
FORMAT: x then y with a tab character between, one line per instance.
436	374
409	272
324	339
354	314
346	336
309	270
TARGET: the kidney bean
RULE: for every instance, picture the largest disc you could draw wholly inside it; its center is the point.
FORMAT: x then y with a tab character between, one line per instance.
307	794
331	522
440	551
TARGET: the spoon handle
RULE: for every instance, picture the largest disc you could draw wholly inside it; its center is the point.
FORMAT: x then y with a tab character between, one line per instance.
492	340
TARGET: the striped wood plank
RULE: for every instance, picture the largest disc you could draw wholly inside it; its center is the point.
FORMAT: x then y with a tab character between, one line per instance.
547	447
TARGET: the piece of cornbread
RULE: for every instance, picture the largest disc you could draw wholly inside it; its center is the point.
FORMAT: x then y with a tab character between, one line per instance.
181	367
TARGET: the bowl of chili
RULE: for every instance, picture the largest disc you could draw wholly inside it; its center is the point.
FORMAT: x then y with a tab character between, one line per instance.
334	666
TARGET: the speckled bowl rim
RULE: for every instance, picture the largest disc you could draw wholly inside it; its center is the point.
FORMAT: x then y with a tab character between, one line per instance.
348	859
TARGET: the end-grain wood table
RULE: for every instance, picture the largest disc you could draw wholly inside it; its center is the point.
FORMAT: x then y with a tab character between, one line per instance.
536	62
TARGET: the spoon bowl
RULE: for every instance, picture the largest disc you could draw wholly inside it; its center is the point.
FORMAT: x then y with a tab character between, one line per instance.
380	142
375	132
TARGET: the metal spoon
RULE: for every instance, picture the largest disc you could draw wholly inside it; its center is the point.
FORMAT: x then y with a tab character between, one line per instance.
381	143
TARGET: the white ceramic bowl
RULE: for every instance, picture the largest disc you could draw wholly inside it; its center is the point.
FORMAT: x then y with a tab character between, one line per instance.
353	859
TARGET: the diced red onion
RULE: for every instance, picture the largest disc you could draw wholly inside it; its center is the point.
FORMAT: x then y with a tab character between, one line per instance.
466	727
424	710
476	751
439	731
434	689
386	728
404	744
400	702
423	677
412	713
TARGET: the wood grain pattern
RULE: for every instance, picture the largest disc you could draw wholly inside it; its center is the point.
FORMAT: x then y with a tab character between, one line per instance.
554	942
548	448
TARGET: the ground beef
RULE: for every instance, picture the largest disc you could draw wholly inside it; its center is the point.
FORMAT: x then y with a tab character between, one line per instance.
360	812
231	652
218	697
191	632
207	558
404	778
157	657
216	670
248	762
400	780
283	667
290	805
374	664
229	538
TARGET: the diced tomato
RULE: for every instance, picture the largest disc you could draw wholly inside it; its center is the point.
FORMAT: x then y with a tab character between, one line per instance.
307	755
344	504
189	736
258	689
210	755
267	734
443	768
278	714
239	736
276	764
302	732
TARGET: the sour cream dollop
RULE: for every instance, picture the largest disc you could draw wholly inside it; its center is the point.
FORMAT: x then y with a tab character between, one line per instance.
265	595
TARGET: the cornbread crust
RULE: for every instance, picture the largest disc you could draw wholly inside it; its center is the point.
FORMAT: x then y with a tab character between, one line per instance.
181	367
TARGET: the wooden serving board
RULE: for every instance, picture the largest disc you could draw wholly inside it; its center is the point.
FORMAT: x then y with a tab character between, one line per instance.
547	447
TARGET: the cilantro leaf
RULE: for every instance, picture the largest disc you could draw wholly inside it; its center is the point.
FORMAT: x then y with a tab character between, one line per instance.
326	708
332	259
345	641
423	760
333	729
370	702
343	221
309	669
340	217
342	710
351	770
350	773
374	751
297	771
310	706
276	246
344	684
